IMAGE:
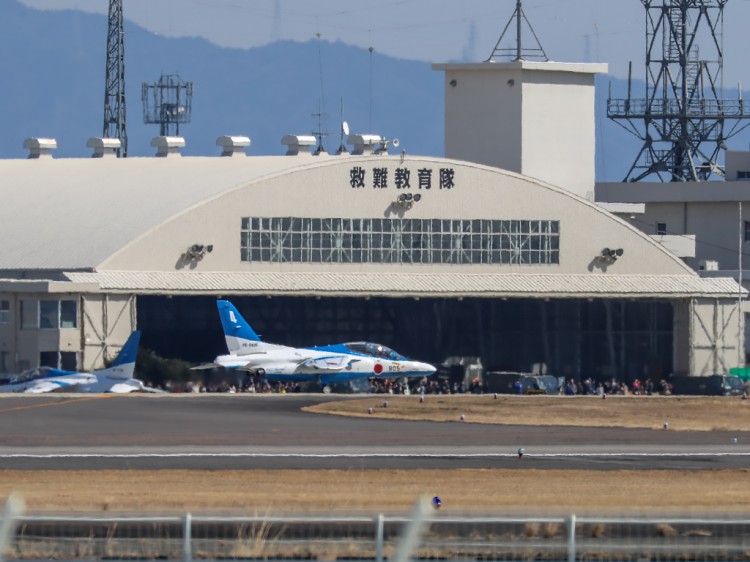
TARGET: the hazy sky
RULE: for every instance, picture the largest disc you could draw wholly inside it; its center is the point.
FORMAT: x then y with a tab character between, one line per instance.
611	31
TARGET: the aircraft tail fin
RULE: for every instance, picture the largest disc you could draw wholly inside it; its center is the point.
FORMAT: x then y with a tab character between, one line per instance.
123	366
237	332
129	351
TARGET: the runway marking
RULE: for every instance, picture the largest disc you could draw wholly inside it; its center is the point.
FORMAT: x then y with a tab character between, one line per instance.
359	455
57	403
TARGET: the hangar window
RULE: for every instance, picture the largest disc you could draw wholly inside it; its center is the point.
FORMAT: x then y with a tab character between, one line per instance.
29	314
68	314
4	361
4	312
418	241
66	360
48	314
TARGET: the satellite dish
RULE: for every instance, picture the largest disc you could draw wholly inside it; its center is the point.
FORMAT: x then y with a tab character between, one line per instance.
345	127
395	142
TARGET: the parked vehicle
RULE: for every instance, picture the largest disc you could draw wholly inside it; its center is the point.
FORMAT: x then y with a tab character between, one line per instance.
511	382
711	385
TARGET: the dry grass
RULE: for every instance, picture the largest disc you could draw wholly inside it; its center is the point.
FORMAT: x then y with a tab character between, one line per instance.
322	491
696	413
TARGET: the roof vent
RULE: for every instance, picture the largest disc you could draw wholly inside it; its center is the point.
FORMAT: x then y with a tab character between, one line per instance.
103	147
365	144
168	146
233	146
296	144
40	148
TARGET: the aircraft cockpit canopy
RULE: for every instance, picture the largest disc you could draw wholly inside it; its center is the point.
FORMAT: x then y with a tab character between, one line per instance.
30	375
374	350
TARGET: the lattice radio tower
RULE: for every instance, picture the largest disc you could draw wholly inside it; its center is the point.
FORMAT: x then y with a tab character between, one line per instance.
168	103
114	89
684	120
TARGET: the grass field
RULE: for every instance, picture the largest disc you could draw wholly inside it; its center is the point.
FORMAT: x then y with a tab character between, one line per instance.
517	490
263	491
695	413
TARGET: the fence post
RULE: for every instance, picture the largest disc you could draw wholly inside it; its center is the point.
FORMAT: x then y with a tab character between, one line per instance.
13	508
187	548
379	538
412	533
572	538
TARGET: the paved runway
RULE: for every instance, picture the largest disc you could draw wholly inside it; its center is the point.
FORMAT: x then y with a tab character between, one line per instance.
270	431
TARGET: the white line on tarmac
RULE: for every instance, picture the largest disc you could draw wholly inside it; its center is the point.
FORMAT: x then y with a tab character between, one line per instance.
360	455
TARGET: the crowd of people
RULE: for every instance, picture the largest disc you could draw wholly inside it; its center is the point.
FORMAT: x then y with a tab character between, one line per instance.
427	385
260	385
647	387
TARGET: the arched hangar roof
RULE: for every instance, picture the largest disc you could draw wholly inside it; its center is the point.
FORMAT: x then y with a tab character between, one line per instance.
123	225
73	213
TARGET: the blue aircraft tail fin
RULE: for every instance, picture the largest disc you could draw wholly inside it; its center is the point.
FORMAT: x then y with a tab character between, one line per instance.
236	329
129	351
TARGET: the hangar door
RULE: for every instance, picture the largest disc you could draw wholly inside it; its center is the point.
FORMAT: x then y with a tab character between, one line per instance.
578	338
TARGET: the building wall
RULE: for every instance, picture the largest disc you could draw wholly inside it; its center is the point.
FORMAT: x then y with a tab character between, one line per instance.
25	344
558	130
717	336
325	191
535	119
107	322
483	117
102	325
716	226
737	164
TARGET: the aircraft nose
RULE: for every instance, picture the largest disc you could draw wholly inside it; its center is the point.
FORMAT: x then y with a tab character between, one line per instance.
425	368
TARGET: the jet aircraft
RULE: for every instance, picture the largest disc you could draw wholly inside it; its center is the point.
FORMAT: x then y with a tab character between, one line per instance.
327	365
118	378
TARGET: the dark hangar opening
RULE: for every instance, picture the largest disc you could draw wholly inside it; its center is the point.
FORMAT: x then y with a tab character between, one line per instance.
598	338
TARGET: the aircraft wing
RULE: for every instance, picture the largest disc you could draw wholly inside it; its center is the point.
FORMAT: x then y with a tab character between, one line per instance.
205	366
70	383
332	363
125	387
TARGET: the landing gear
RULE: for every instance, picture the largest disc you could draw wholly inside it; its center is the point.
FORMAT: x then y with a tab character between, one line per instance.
260	373
326	389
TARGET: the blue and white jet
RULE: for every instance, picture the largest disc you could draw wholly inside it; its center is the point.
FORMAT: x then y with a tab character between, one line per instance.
327	365
118	378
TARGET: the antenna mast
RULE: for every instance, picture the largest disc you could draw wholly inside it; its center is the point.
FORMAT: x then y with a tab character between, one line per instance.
682	118
321	114
518	52
114	89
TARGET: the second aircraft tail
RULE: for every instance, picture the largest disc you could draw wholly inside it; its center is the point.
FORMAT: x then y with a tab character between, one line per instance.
123	366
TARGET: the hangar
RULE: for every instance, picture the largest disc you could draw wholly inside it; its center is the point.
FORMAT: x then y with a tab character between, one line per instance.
318	249
434	257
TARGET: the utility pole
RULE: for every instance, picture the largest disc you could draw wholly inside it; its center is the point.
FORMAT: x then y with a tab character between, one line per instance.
114	89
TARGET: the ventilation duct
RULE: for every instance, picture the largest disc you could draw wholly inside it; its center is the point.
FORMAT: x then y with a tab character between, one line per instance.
232	145
168	146
39	147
